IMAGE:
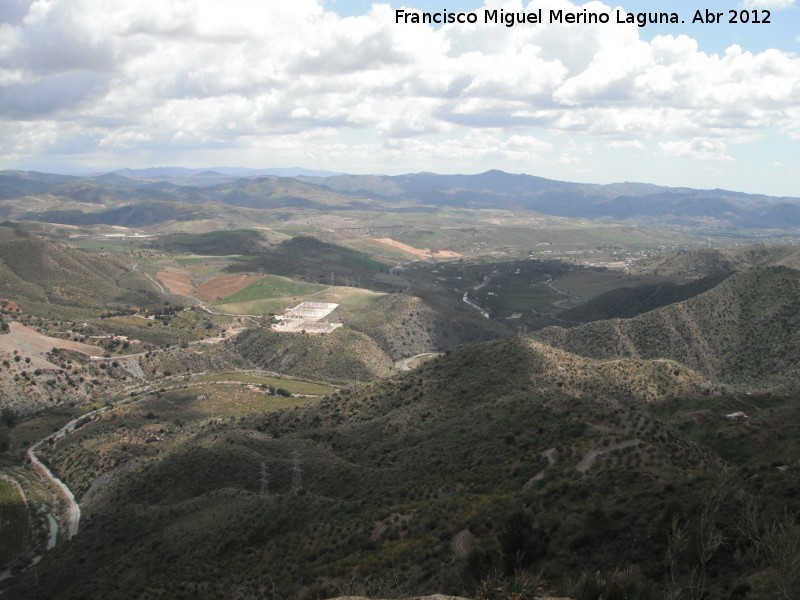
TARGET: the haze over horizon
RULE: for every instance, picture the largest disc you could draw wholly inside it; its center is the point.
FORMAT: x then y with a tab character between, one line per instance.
340	86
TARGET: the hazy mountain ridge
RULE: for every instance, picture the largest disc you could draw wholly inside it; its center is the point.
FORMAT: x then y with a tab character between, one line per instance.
496	189
492	189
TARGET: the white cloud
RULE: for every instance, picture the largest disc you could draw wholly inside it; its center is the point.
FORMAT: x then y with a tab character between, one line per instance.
697	148
626	144
266	81
774	4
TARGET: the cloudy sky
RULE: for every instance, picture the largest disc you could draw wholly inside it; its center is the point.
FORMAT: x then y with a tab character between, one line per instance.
338	85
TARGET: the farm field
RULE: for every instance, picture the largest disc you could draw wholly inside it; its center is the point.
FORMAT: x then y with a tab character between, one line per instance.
223	286
295	386
14	523
516	295
177	281
348	298
199	259
270	287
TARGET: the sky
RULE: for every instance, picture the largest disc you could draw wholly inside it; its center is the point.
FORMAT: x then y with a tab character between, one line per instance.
97	85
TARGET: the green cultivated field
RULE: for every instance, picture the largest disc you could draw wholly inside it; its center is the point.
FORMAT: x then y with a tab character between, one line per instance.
14	523
196	259
349	299
272	286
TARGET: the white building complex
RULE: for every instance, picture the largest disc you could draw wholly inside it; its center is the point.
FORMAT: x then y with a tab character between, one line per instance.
307	317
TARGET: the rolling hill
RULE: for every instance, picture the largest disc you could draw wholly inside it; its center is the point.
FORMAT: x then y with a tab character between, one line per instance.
492	189
745	331
626	302
474	467
622	201
33	270
343	355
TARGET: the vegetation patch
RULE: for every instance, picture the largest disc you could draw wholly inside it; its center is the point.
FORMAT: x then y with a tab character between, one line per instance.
294	386
14	523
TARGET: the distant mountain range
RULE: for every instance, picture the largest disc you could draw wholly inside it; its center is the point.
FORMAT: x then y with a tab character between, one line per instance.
278	188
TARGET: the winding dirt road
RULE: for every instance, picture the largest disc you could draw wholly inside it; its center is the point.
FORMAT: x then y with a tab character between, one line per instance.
465	297
73	510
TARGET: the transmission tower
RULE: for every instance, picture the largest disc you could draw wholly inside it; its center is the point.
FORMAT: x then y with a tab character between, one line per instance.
297	475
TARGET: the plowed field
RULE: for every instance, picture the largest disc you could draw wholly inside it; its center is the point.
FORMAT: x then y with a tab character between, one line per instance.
178	281
223	286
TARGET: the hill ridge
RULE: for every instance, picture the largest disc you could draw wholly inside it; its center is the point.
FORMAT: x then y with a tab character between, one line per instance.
743	332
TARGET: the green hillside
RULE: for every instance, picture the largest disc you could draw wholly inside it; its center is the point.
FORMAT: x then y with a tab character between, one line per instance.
744	332
309	258
626	302
711	261
42	272
476	467
343	355
404	325
214	243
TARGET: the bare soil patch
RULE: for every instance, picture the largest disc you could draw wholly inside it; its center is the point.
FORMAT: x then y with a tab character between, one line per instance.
462	542
446	254
404	247
224	285
416	251
178	281
30	343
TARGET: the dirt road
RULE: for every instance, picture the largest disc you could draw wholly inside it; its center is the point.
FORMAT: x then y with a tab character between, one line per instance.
73	510
588	459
